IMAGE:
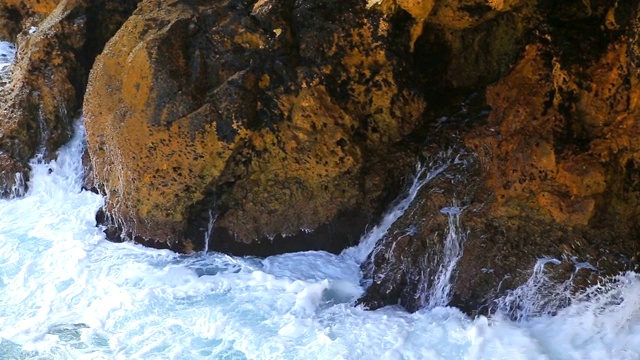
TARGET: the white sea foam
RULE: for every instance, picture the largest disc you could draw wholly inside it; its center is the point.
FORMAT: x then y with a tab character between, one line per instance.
7	56
440	293
67	293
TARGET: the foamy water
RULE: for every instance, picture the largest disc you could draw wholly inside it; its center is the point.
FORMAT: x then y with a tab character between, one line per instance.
7	56
67	293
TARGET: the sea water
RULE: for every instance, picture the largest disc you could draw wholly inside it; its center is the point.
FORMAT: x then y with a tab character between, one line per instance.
68	293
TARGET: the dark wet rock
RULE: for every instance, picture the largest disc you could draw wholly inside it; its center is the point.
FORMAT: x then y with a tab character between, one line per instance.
406	262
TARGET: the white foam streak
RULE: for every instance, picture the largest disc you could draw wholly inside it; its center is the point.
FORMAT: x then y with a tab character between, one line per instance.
7	56
207	234
67	293
423	175
538	296
454	240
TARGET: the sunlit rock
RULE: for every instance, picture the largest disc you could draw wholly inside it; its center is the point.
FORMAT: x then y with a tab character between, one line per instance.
555	177
277	117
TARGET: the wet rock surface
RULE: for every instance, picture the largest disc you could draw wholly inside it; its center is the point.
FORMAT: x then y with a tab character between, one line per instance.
552	162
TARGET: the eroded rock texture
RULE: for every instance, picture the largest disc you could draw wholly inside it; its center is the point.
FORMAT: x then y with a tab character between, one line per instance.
555	171
279	119
57	43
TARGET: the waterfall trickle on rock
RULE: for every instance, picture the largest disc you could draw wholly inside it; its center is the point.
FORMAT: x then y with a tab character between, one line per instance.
207	234
439	295
539	296
423	174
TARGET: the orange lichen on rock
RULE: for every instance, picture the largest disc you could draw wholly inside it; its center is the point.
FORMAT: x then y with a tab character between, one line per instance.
49	75
305	170
391	113
190	112
152	160
16	15
420	11
561	150
44	7
42	91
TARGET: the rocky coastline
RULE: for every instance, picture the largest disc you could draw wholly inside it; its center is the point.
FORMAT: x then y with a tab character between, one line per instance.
271	126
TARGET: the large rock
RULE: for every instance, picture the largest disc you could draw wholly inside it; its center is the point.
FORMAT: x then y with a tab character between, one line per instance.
49	77
277	119
554	175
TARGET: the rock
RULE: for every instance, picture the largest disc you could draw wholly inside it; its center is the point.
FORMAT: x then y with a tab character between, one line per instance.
16	15
555	176
405	265
11	177
49	77
274	118
571	153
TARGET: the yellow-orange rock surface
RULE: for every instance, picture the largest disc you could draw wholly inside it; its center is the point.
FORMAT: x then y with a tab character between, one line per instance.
266	118
550	172
16	15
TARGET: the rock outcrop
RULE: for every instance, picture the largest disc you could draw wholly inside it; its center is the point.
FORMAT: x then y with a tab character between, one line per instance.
554	175
16	15
260	126
56	47
278	119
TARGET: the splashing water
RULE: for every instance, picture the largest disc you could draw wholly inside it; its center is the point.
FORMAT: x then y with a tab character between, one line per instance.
7	56
67	293
207	234
423	175
454	239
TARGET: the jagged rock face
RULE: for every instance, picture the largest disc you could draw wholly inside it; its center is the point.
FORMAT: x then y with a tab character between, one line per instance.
560	168
49	77
407	261
556	173
275	117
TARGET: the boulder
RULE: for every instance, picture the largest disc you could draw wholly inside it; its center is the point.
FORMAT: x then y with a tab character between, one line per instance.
553	176
17	15
250	127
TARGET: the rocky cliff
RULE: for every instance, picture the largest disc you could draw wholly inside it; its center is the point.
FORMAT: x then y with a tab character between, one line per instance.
551	171
260	127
